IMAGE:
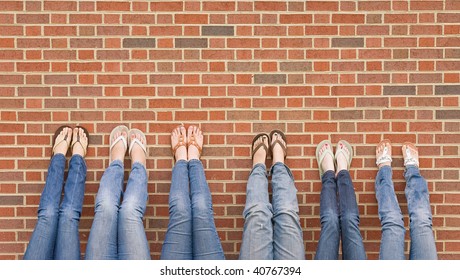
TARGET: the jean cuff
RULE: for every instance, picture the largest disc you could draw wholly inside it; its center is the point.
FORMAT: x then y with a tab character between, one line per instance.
117	162
411	170
79	158
259	166
280	165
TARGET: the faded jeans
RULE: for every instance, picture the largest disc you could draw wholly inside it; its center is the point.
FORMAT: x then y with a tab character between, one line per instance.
272	231
191	233
422	246
56	233
339	217
118	231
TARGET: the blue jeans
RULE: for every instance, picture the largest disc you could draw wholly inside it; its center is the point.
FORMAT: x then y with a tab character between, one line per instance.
191	233
418	203
339	217
118	231
56	233
272	231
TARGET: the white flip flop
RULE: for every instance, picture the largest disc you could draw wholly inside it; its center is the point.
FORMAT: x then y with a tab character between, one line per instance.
122	138
136	141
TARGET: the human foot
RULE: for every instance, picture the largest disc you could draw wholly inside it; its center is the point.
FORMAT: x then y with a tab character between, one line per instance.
137	148
194	142
259	155
80	141
179	143
410	154
118	143
325	157
343	155
278	146
62	139
383	153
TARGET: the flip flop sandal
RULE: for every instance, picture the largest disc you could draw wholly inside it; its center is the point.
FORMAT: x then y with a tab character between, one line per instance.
194	143
339	150
179	144
385	157
136	141
283	145
409	159
75	141
319	158
56	134
261	145
120	129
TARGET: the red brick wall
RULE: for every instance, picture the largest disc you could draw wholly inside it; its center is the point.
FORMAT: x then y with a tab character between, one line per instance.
358	70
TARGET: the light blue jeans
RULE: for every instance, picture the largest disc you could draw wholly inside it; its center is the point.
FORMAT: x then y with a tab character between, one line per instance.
117	231
191	233
56	233
339	217
422	245
272	231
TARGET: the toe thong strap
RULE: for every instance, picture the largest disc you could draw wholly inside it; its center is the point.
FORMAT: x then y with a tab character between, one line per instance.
384	158
409	159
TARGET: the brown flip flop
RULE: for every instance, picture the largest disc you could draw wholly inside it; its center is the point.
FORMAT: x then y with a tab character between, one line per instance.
78	139
283	145
254	150
56	134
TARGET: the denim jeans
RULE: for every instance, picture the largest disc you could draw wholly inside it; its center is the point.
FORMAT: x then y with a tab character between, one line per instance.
339	217
418	203
118	231
272	231
56	233
191	233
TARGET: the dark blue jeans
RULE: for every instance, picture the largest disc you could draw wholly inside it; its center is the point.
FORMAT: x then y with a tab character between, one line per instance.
191	233
56	233
418	203
339	219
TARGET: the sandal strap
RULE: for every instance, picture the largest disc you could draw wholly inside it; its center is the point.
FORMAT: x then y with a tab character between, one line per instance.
348	156
194	143
58	143
384	158
409	159
321	157
178	145
258	147
120	138
282	145
136	141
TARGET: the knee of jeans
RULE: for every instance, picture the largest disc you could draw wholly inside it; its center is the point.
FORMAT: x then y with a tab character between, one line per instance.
131	209
201	205
330	219
263	211
69	214
421	218
106	207
349	219
48	213
180	207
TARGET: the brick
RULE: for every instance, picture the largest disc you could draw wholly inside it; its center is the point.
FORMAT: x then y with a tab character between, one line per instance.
113	6
447	89
191	43
85	43
243	66
112	30
348	18
399	90
447	114
191	19
295	66
217	31
242	115
33	18
269	79
139	43
346	115
270	6
347	42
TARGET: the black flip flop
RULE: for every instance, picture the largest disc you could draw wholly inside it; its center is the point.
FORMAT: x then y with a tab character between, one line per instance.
78	139
283	146
56	134
254	150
